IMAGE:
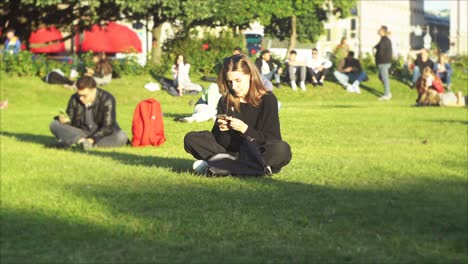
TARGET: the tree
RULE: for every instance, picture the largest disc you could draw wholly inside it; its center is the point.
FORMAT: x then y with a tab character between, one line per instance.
302	19
25	16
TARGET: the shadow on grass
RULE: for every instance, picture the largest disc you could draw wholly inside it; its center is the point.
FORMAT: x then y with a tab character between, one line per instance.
337	106
176	116
462	122
47	141
244	220
175	164
371	90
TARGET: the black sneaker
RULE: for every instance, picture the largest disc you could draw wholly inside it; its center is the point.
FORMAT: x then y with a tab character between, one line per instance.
277	85
268	171
320	83
314	84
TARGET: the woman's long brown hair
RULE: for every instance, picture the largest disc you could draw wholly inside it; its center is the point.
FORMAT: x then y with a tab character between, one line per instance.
427	71
243	64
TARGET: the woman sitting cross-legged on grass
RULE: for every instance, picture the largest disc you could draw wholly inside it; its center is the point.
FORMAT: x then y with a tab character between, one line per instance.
247	124
90	119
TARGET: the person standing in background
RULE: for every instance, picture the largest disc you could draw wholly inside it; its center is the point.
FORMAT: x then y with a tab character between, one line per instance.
341	51
383	59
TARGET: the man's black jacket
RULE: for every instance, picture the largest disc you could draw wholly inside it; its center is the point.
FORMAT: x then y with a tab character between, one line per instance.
103	109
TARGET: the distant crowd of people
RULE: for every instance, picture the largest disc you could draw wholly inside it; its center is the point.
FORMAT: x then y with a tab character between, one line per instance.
246	137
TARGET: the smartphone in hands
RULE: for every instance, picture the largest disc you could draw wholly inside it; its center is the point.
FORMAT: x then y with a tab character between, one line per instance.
222	117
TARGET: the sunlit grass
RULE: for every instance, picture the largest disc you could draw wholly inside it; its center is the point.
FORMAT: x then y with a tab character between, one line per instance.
370	182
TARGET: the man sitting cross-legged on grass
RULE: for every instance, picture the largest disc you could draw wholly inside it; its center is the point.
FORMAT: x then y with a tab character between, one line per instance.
350	71
91	120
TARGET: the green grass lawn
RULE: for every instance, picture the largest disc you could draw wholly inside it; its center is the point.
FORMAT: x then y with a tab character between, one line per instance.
370	182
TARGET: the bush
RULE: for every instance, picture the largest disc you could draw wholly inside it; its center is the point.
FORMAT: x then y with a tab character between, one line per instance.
26	63
368	63
204	55
460	67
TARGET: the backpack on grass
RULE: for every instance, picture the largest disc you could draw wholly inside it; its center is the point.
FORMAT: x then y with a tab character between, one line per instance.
147	125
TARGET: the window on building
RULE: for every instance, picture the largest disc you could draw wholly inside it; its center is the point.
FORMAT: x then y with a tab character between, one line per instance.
353	24
353	35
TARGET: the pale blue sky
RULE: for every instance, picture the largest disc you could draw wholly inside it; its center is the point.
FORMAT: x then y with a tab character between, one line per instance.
437	4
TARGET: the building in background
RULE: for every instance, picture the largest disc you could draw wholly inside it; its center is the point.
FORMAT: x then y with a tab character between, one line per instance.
439	30
458	27
404	19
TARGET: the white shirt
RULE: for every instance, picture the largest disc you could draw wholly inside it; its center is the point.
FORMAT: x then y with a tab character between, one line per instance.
265	67
315	63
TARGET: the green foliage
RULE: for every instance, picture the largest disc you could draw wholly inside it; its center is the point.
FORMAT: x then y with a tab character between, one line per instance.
460	67
368	63
310	16
203	60
29	64
127	66
26	63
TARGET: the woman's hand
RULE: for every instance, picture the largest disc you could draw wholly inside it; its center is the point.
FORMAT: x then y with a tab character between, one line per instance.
63	119
237	124
223	125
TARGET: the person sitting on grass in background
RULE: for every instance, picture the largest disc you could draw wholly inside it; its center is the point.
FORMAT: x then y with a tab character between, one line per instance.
89	120
269	67
443	70
102	71
428	86
294	67
318	68
205	108
350	71
12	43
422	61
247	115
180	72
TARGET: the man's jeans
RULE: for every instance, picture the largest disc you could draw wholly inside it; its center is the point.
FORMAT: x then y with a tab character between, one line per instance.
416	74
383	76
270	75
346	78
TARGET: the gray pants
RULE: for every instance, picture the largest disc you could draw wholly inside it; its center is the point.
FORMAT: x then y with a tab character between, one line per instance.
70	135
293	73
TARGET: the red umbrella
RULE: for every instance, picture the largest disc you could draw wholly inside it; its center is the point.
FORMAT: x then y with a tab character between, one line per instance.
112	38
95	40
42	36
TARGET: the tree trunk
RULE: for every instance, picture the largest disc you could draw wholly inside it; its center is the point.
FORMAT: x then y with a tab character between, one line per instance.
293	37
156	50
244	42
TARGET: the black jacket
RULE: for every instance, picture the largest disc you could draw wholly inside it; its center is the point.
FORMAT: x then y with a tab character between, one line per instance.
424	64
384	51
103	109
270	63
263	123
